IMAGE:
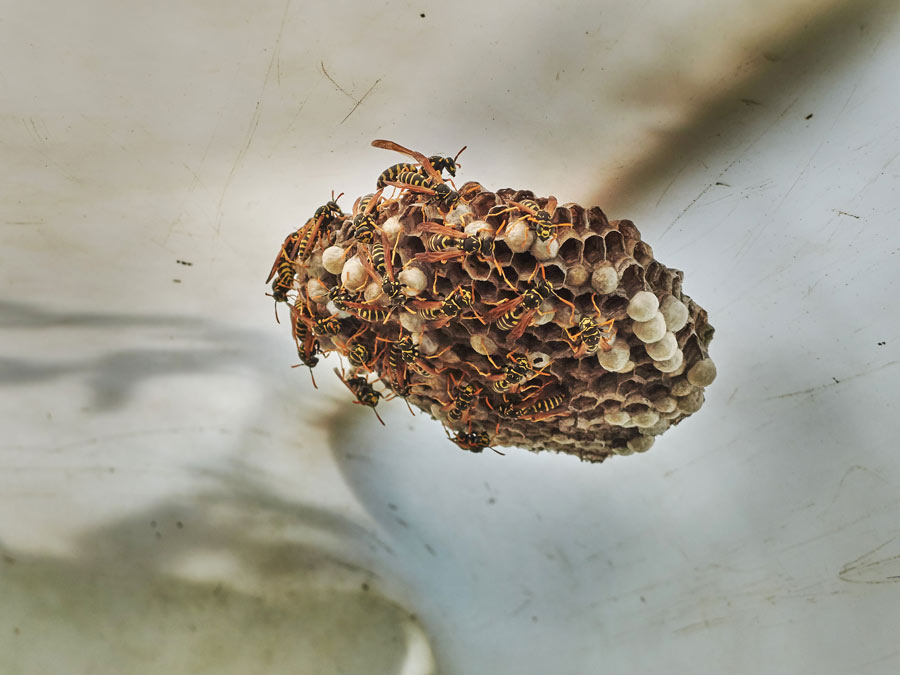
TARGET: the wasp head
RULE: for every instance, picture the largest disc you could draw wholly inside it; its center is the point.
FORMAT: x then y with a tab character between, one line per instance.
465	296
391	288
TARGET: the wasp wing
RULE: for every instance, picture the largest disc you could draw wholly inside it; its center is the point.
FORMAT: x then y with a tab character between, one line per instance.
524	322
435	228
502	308
418	156
438	256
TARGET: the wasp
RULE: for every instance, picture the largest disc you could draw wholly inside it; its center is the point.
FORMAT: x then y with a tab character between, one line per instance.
405	353
310	233
441	311
544	408
364	224
283	270
515	315
358	353
593	334
507	407
330	325
439	164
517	406
429	181
363	391
462	396
365	311
345	302
378	264
421	184
284	280
446	243
473	441
394	368
540	220
299	244
514	373
305	339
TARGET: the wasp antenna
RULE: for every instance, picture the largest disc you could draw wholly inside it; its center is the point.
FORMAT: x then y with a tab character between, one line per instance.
459	153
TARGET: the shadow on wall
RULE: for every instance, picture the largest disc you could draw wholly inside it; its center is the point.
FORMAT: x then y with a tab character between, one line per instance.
562	555
226	577
763	90
113	374
233	581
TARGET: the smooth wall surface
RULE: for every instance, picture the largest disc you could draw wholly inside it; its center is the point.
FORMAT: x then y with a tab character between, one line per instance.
174	498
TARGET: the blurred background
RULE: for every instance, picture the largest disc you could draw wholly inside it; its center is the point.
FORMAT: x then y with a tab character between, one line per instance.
174	498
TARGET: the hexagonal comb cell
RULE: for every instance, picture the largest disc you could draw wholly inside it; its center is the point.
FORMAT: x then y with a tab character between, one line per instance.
543	327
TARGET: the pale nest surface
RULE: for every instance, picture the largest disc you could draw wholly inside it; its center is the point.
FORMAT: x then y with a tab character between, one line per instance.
647	375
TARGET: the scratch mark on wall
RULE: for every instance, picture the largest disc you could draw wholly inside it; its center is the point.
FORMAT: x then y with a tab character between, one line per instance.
731	164
700	625
822	387
356	101
332	80
825	139
671	182
369	91
254	119
294	119
865	570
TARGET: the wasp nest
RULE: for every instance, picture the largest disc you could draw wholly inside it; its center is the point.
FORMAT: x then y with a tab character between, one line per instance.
511	320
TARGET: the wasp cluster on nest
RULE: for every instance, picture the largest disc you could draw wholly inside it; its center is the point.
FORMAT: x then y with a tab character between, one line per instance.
512	320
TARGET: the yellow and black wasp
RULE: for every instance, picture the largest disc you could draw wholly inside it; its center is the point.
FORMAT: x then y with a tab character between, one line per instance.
358	353
516	314
363	391
594	335
446	243
405	352
364	311
283	270
395	371
529	407
472	441
428	180
544	408
329	325
438	163
514	373
364	223
298	245
305	339
379	265
311	232
441	311
462	397
540	219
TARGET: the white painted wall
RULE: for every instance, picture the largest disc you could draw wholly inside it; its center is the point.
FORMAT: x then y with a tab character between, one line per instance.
175	499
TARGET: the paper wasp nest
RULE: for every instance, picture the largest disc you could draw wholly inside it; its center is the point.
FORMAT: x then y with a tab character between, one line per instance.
644	373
